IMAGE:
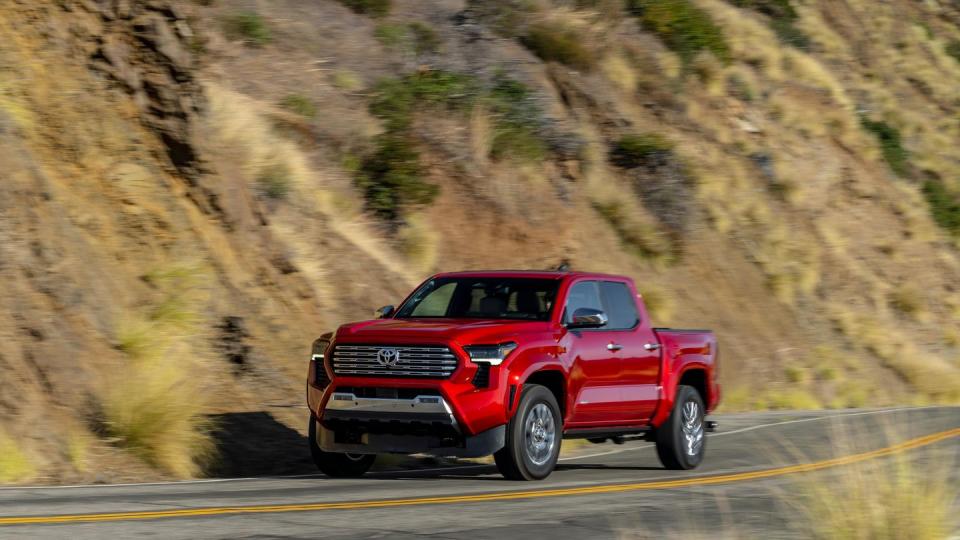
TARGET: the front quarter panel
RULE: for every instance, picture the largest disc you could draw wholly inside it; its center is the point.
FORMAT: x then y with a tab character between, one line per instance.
541	353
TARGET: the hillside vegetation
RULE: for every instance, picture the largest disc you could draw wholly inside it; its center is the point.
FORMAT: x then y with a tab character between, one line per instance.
192	191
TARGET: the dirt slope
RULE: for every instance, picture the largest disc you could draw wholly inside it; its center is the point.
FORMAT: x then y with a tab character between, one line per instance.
183	204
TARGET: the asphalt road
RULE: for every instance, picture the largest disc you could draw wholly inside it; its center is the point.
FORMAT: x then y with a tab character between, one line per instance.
753	465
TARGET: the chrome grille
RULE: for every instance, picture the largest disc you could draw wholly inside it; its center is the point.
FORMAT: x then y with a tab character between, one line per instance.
413	361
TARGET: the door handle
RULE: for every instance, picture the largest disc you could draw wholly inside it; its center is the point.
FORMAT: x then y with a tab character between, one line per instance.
652	346
614	347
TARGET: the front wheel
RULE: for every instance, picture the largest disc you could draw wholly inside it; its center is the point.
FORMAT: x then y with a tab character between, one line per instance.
336	464
681	441
533	437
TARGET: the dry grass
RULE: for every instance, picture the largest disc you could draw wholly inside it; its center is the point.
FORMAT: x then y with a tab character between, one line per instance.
642	238
660	303
912	494
894	498
347	80
78	449
482	127
929	373
242	130
618	69
156	409
738	398
850	394
909	301
556	43
788	398
154	403
418	241
15	464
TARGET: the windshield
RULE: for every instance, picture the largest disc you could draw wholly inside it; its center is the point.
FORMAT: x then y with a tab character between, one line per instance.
482	298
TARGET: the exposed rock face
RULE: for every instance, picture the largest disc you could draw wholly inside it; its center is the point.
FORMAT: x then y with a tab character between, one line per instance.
145	47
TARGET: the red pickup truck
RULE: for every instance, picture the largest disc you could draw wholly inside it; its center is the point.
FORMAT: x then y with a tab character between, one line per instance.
509	363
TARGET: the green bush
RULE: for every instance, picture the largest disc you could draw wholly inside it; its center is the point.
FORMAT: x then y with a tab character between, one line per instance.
683	27
391	35
425	38
890	143
556	43
300	104
517	142
790	34
782	18
517	120
248	26
395	99
953	49
374	8
636	150
392	178
775	9
417	37
505	17
274	180
944	206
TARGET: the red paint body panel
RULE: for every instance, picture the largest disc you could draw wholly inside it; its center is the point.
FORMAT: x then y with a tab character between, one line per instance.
630	387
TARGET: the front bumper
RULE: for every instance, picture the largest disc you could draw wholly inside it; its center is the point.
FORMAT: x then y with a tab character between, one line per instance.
421	424
423	409
484	444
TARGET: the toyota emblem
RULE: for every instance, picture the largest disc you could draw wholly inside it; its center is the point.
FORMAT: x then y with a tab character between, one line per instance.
388	357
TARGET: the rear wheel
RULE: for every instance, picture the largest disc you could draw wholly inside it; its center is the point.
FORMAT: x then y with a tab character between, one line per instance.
335	464
681	441
533	437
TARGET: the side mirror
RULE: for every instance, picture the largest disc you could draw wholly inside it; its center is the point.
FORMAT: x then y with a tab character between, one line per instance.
588	318
384	312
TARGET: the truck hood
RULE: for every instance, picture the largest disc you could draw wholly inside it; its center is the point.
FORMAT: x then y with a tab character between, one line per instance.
429	331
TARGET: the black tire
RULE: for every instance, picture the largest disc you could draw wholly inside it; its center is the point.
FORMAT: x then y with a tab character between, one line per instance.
517	460
335	464
672	447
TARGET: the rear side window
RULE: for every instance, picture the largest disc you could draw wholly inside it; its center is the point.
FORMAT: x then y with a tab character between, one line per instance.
583	294
620	305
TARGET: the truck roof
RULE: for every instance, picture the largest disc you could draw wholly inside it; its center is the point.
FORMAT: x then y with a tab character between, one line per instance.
533	274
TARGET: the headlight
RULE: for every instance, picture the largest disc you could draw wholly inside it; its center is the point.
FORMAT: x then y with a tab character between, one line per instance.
490	354
319	349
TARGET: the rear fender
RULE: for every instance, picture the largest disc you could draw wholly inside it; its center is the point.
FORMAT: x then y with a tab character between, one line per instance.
675	362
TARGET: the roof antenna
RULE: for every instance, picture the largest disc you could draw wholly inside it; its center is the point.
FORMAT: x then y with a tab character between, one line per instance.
564	266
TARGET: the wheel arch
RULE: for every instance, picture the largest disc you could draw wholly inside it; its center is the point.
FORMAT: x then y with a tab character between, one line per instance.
696	377
554	381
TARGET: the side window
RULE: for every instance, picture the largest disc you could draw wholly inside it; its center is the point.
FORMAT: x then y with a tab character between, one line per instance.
620	305
436	302
583	294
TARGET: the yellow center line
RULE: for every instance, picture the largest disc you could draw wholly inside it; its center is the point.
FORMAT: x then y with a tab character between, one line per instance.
501	496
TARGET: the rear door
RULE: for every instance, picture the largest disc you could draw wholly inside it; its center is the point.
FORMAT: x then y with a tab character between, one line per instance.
595	372
635	346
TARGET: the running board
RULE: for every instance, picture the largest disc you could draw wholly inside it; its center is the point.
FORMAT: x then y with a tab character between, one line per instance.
621	435
617	435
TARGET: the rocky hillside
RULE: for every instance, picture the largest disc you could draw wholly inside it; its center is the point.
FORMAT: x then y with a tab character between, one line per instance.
192	191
